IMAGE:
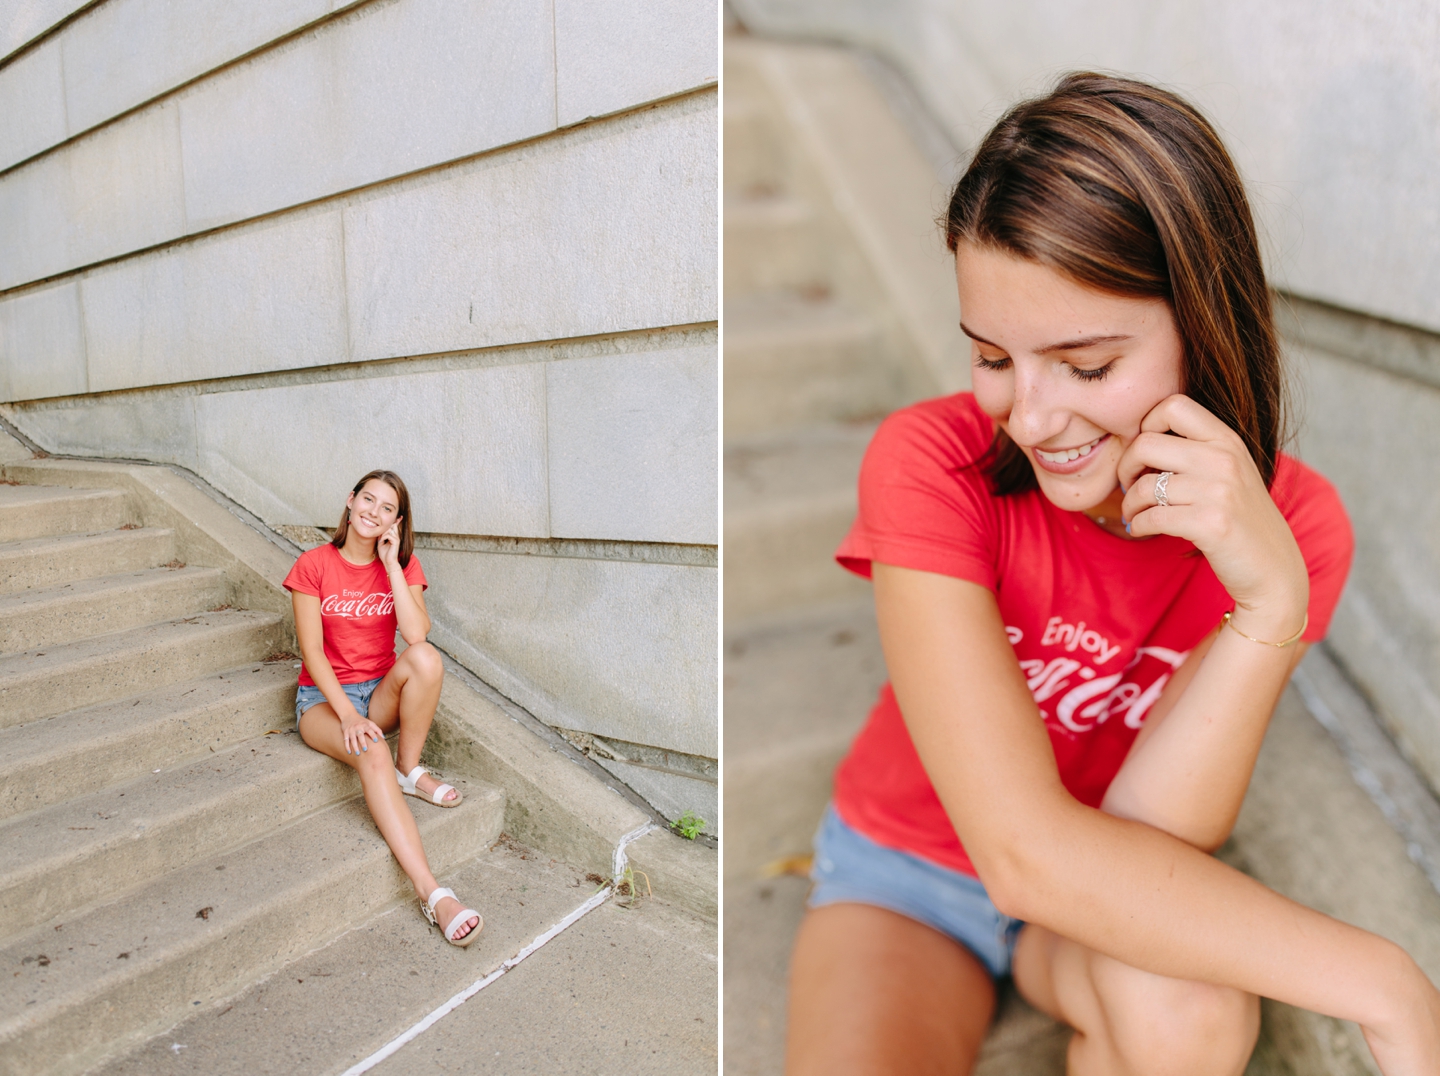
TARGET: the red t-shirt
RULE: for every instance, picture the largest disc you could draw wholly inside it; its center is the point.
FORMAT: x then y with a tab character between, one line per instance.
357	610
1098	622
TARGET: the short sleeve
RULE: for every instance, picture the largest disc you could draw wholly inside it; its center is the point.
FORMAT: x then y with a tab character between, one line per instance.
414	574
924	499
304	577
1322	530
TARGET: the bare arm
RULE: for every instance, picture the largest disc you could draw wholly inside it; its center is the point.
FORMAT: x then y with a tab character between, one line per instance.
1116	885
310	633
1190	766
410	615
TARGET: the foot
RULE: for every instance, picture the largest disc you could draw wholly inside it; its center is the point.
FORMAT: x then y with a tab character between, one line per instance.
428	783
446	909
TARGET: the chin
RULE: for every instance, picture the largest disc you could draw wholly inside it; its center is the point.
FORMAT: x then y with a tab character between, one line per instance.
1073	496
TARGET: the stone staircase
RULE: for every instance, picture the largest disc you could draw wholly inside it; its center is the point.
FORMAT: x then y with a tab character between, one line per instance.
817	348
165	837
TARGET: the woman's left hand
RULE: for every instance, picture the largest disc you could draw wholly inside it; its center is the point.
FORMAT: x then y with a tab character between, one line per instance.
1217	500
388	547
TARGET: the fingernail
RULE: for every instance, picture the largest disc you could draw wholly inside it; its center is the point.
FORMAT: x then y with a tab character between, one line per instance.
1127	528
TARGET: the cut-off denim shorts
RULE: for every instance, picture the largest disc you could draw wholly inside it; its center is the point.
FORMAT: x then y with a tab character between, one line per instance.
851	868
308	695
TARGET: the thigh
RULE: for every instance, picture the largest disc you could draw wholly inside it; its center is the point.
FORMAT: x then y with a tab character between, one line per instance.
874	992
320	729
1129	1021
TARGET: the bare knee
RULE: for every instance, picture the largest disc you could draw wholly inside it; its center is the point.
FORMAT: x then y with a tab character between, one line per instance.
423	661
1158	1026
374	760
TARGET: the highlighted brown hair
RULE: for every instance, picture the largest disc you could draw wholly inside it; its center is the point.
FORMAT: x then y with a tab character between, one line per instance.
402	496
1126	188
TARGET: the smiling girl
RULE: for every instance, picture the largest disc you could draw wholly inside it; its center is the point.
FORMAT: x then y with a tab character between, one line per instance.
349	597
1093	577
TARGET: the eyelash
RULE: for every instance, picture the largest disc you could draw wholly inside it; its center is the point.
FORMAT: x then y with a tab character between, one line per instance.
1099	374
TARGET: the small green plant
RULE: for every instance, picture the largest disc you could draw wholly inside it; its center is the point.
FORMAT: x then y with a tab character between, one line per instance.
688	825
628	885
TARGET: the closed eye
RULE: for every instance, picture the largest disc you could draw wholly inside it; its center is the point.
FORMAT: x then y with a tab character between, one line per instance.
991	364
1098	374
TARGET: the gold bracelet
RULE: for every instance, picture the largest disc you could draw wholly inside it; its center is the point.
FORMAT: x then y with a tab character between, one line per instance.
1293	639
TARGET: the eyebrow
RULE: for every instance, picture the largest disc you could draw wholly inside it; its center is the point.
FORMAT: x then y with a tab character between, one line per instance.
1064	345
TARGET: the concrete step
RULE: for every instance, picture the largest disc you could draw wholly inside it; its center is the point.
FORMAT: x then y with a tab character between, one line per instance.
797	690
773	243
82	608
46	562
55	758
42	511
789	500
338	1005
38	683
756	155
792	361
121	971
57	858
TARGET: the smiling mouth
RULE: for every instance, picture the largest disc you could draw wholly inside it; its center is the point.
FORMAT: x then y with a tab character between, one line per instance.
1065	455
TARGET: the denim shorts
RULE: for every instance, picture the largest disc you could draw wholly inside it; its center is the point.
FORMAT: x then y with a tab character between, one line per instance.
851	868
308	695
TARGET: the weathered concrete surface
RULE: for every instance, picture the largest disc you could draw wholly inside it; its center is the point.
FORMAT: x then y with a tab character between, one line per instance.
609	228
1373	433
23	22
597	999
556	805
617	648
611	54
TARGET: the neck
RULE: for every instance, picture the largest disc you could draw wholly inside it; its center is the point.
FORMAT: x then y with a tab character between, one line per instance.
357	550
1107	515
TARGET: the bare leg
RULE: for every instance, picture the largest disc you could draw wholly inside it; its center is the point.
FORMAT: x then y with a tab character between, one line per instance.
874	993
411	691
320	728
1129	1022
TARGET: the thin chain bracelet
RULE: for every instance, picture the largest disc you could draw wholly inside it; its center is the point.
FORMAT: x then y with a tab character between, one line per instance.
1263	642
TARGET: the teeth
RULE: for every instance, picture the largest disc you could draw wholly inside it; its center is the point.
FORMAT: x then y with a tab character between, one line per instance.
1068	454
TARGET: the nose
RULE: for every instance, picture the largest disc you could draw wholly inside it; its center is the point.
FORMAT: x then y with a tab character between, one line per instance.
1035	414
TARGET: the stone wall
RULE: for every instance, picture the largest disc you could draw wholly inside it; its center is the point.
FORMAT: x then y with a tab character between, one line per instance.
474	241
1332	112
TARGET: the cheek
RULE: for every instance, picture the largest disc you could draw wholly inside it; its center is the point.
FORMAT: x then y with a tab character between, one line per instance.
994	391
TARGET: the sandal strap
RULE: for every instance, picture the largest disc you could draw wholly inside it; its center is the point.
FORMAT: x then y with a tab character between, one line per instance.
437	894
461	918
438	796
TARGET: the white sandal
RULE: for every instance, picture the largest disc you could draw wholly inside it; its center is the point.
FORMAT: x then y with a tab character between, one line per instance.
463	916
407	786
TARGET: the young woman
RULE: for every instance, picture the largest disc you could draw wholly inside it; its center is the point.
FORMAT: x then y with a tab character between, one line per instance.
349	596
1093	577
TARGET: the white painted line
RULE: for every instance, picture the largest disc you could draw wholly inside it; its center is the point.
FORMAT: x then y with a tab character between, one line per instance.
474	988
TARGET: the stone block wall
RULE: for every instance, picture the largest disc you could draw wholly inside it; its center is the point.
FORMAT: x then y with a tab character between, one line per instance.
281	243
1332	112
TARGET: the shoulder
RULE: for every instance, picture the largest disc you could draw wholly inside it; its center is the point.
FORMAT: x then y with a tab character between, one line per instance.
414	573
1311	505
949	431
308	568
1317	518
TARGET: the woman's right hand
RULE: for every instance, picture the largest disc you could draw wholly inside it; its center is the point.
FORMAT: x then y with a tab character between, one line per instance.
359	732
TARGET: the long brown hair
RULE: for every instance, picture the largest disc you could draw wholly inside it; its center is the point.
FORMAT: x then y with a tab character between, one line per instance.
1126	188
402	495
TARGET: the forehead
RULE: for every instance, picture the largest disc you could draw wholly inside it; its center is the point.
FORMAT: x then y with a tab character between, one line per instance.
381	491
1021	303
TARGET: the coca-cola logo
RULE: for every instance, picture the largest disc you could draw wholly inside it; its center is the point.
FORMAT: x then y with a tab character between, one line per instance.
1089	699
380	603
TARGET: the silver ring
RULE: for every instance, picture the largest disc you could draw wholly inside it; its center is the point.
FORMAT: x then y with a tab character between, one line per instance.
1161	482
